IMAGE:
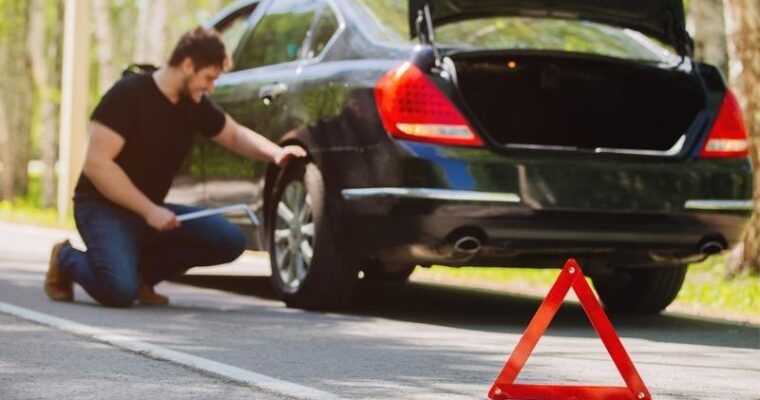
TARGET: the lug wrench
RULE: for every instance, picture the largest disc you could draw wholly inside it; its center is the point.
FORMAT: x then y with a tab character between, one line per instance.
221	210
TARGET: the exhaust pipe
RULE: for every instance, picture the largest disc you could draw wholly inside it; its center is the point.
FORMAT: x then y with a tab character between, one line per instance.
457	248
706	247
467	245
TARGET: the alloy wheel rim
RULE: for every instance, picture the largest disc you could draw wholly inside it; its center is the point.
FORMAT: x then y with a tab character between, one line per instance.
293	235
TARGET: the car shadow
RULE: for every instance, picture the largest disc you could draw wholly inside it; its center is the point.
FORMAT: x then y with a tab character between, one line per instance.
492	311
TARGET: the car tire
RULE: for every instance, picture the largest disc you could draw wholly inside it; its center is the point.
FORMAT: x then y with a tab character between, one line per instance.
310	268
641	290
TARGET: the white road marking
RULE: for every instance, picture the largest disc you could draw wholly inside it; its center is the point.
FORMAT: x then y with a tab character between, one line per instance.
150	350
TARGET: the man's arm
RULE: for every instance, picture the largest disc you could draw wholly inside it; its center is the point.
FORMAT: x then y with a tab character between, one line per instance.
250	144
113	183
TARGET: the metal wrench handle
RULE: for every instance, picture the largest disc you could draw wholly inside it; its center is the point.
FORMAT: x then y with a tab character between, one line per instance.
221	210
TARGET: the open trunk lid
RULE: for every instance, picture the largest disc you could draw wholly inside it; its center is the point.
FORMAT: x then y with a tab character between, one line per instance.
660	19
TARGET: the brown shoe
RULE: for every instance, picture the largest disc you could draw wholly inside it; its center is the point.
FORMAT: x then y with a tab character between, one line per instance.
149	297
57	286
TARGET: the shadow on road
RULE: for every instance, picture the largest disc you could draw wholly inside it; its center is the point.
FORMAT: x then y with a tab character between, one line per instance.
491	311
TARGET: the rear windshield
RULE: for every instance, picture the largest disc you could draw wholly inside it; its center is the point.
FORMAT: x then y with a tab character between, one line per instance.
521	33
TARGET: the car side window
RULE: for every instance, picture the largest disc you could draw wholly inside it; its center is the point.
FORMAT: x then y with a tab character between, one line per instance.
325	27
233	28
279	35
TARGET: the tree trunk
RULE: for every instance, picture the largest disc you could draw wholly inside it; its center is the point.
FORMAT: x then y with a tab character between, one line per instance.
151	32
36	47
6	179
743	32
23	109
51	108
707	25
17	92
107	74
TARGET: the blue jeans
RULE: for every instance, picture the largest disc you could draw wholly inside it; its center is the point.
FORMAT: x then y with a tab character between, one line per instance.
123	250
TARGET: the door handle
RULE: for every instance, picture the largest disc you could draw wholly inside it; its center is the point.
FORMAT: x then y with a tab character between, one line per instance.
268	93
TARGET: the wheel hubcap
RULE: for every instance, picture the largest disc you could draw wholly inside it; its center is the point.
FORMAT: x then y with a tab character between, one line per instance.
293	235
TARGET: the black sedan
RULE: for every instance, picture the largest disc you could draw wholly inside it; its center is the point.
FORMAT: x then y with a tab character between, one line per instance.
492	133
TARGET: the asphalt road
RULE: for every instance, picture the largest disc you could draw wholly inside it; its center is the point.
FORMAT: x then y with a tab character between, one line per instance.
226	336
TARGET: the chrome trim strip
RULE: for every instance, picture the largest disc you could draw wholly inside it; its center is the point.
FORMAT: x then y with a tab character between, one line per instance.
738	205
430	194
677	147
675	150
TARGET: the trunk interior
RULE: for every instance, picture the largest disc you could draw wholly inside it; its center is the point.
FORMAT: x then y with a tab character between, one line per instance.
578	102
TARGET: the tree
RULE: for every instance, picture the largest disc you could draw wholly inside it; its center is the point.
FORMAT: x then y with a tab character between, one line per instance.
743	32
104	44
43	43
15	95
6	178
151	32
6	167
706	23
51	110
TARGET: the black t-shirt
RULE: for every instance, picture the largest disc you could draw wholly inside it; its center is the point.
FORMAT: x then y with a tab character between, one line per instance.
158	134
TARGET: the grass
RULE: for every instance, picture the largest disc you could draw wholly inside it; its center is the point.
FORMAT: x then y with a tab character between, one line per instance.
705	290
22	214
27	210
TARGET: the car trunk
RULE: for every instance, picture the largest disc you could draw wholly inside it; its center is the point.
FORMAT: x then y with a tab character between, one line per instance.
578	102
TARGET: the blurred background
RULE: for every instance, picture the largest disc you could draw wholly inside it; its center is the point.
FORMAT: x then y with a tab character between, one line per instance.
31	60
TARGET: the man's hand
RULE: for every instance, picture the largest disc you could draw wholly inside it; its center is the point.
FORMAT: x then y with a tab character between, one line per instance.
162	219
282	157
248	143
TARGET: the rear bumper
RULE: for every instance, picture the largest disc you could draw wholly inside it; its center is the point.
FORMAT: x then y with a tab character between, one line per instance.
420	225
410	202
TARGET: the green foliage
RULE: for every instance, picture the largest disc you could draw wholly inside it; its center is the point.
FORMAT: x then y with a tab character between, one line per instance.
27	210
324	102
21	214
705	289
531	277
276	39
208	159
12	15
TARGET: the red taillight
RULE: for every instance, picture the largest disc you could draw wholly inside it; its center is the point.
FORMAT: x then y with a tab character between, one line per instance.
412	107
728	137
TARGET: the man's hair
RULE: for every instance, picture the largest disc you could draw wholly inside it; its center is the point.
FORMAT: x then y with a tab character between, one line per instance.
203	46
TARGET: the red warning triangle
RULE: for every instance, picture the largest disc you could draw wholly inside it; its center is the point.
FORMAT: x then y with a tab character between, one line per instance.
571	276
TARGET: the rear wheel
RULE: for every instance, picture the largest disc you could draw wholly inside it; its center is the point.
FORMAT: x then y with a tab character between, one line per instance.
310	269
640	290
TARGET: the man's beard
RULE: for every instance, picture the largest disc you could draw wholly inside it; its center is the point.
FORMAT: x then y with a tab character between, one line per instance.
185	90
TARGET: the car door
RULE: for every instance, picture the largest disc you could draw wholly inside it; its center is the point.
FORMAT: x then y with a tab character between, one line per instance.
266	65
255	93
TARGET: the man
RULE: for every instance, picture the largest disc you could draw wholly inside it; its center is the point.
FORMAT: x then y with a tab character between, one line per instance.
140	133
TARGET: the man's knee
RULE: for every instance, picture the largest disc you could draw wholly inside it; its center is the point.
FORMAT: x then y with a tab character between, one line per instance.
119	293
232	244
